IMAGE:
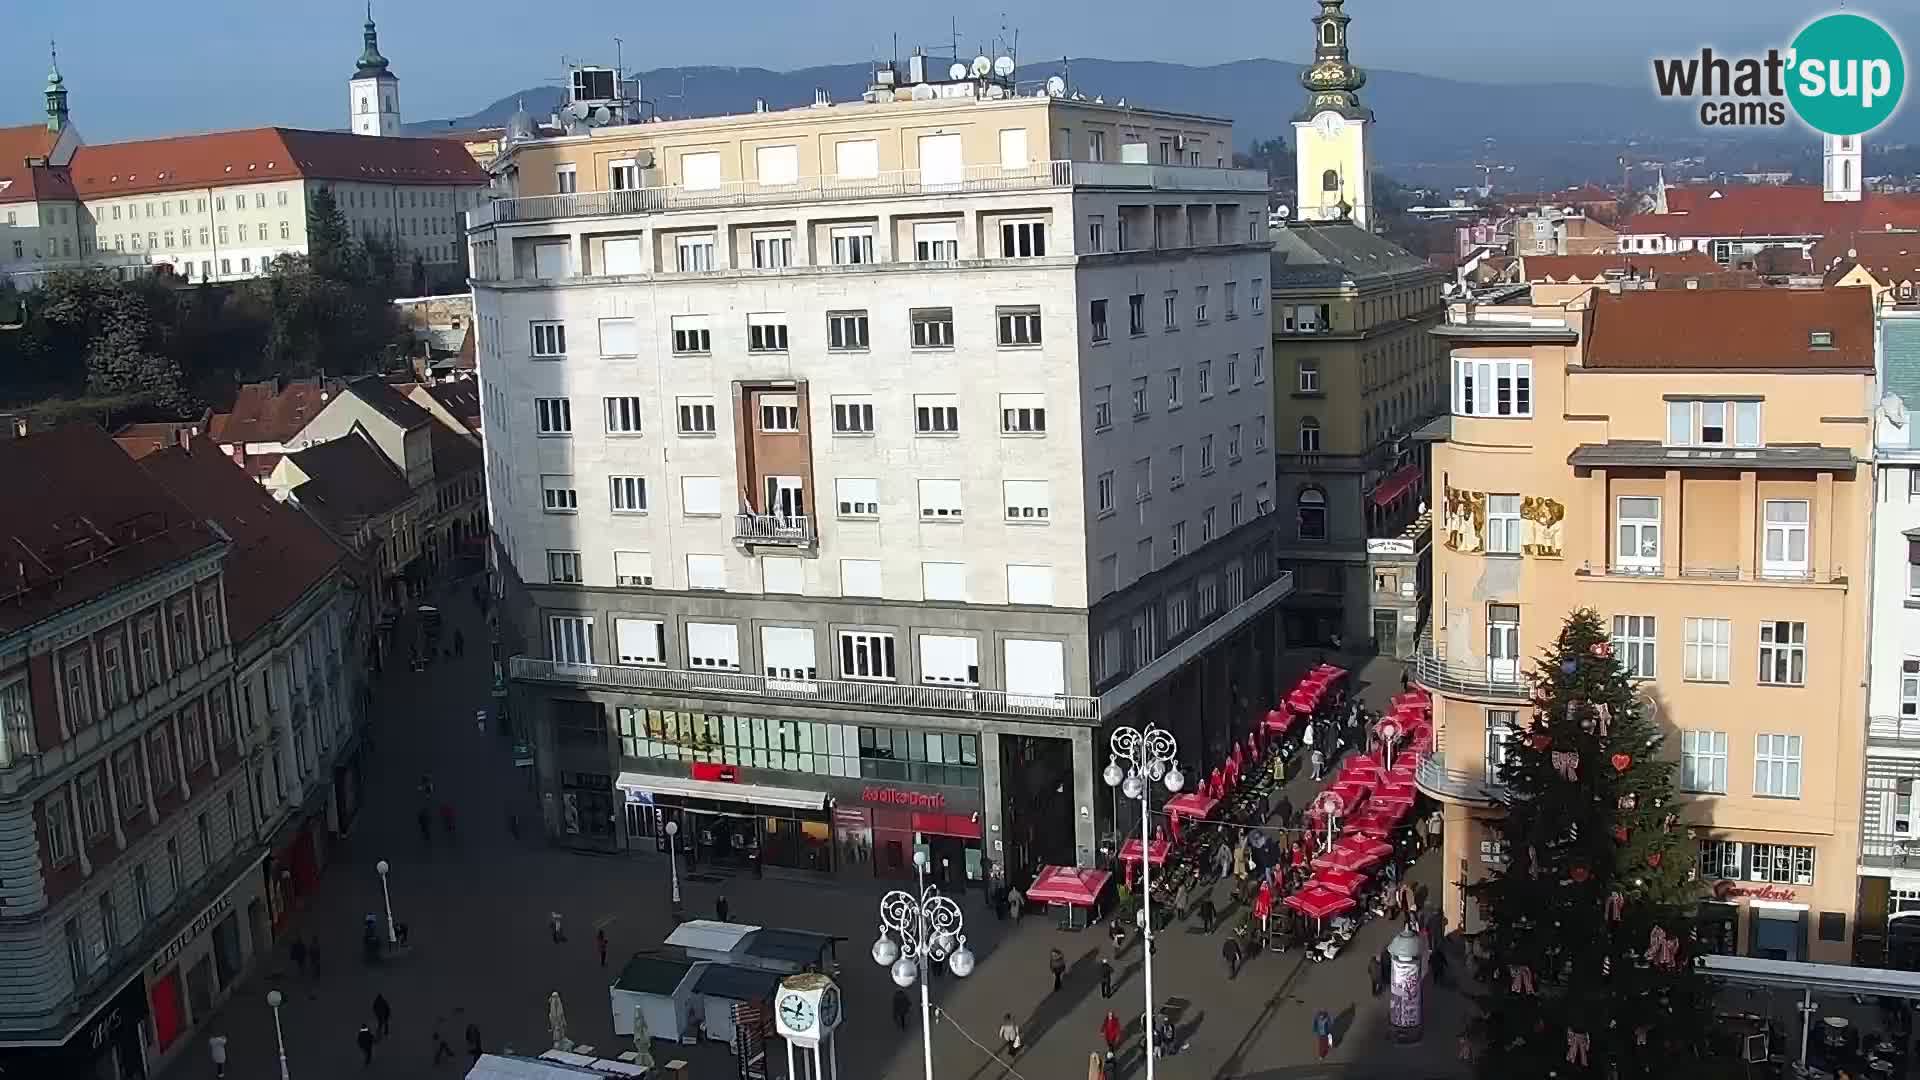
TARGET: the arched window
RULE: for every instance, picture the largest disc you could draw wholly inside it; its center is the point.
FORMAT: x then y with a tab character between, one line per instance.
1330	33
1309	436
1906	291
1310	514
1846	142
1846	176
389	105
363	104
1330	180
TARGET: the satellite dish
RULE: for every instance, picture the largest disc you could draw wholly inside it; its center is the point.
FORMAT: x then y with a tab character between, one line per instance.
578	109
1283	212
957	71
1056	86
922	92
996	92
602	115
982	67
1003	67
1894	409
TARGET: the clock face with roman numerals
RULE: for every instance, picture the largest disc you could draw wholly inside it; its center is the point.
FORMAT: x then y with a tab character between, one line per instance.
1328	124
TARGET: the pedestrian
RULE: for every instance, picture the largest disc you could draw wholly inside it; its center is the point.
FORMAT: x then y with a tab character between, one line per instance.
441	1051
1230	952
1180	902
1206	911
400	934
902	1008
554	925
1318	761
720	908
1322	1033
1403	679
365	1039
1373	975
298	951
382	1015
1420	831
1437	963
217	1049
600	942
1110	1031
1057	963
1106	977
446	818
1435	821
1016	900
1117	934
473	1041
1285	812
1009	1036
425	821
1223	860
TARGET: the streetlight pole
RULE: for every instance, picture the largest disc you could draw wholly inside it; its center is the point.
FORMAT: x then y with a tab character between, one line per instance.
1149	756
929	928
673	860
274	1000
393	934
1329	806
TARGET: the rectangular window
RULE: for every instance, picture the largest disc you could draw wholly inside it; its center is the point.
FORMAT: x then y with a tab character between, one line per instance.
940	500
1142	479
847	330
1713	423
1176	465
1493	387
1173	389
566	179
706	572
1169	310
691	335
570	639
618	337
1026	500
563	568
1023	414
1307	376
60	841
554	416
1780	864
1141	398
696	416
932	328
1018	326
936	241
767	333
944	581
860	577
1097	319
1096	234
1257	296
74	686
1206	454
1637	533
1199	303
1708	646
1784	554
1029	584
698	171
852	416
1503	525
1137	314
633	569
629	494
1783	653
693	253
1103	492
949	660
1703	762
857	497
866	655
713	646
702	496
779	413
623	415
936	414
557	495
1633	644
772	250
1720	859
1501	725
1910	688
852	244
1103	408
1776	766
1233	444
1023	239
786	652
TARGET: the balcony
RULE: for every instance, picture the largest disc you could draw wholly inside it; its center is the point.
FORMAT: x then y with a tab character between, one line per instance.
773	530
1457	785
975	179
1460	680
1705	573
883	696
1893	729
1890	852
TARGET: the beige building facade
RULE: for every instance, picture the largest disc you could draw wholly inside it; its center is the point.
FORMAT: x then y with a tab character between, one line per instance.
1690	465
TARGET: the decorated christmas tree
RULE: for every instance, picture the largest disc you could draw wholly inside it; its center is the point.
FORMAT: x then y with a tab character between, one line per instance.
1588	923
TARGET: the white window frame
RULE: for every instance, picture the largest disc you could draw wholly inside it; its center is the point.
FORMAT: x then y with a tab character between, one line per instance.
1703	762
549	340
1777	765
618	337
940	500
1779	531
767	332
713	646
851	245
1635	645
936	241
1023	238
553	417
777	414
565	568
847	331
633	569
1017	327
1783	653
857	496
694	253
1023	414
651	632
931	328
1501	728
1780	864
692	335
1503	525
702	496
1103	492
570	639
853	415
1910	688
623	414
772	248
936	414
1693	423
866	656
1497	388
696	416
1635	533
1027	502
558	495
627	494
1307	375
1707	650
711	572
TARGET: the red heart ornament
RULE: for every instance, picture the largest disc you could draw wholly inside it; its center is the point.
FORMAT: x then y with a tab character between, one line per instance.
1622	762
1620	834
1578	873
1653	859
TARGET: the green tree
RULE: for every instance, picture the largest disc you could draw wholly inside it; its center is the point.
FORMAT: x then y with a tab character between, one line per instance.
1588	922
1269	154
330	244
123	361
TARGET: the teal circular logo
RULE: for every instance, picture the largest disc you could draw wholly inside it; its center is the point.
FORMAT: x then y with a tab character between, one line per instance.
1847	74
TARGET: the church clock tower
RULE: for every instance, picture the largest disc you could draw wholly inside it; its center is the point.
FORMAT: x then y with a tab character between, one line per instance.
373	93
1330	132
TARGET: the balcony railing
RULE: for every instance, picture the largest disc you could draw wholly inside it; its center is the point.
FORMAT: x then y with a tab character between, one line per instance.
787	530
974	179
1435	673
885	696
1458	785
1894	852
1796	576
1894	728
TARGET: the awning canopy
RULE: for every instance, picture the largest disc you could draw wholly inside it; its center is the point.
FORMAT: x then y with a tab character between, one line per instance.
708	935
1396	485
687	787
1068	885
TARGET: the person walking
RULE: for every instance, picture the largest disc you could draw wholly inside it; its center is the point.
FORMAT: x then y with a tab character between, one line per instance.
382	1015
1009	1035
1435	821
473	1041
441	1051
1206	911
720	908
554	925
446	818
1230	952
600	943
365	1039
1180	899
1111	1032
901	1009
1116	934
1057	963
1285	812
217	1050
1016	900
1322	1033
1373	975
1319	763
1222	860
1437	962
1106	977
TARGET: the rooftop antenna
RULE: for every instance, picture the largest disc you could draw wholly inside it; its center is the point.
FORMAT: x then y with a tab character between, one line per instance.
619	63
953	35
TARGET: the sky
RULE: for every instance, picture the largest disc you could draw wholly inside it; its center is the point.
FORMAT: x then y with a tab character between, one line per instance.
139	69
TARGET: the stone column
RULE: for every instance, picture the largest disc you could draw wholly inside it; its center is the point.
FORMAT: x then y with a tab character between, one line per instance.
180	758
79	822
113	806
146	780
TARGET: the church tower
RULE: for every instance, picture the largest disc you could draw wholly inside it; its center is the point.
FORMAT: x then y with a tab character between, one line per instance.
1330	132
1844	182
373	94
58	119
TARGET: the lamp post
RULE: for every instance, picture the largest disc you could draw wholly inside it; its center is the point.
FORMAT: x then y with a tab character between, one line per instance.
1389	733
1328	806
929	928
393	934
274	1000
1149	756
673	860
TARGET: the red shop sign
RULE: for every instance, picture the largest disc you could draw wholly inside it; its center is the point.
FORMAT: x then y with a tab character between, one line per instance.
875	795
1727	890
726	774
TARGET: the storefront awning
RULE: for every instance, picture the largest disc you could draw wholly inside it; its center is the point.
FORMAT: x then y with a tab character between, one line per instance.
687	787
1396	485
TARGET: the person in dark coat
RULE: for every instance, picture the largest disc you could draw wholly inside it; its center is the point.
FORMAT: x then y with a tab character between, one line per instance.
473	1041
365	1039
1230	952
1106	977
1206	912
1057	964
720	908
1285	812
902	1008
1373	975
382	1015
298	951
600	943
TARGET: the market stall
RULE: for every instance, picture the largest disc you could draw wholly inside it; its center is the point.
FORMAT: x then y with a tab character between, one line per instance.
1074	891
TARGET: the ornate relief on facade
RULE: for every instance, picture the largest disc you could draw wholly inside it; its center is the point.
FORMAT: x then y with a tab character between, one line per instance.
1542	520
1463	523
1463	520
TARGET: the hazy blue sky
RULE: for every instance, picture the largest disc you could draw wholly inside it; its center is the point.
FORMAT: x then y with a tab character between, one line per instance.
139	69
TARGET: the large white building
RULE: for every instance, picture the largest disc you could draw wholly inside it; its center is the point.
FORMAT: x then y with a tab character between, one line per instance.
879	454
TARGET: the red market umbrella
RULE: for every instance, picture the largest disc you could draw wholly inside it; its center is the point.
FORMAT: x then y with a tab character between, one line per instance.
1366	851
1303	699
1130	851
1412	699
1350	792
1365	772
1330	671
1318	902
1068	885
1340	858
1372	822
1279	720
1192	804
1346	882
1394	788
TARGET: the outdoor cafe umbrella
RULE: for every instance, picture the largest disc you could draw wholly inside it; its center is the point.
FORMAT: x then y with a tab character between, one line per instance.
1318	902
1350	792
1130	851
1279	720
1340	858
1346	882
1369	850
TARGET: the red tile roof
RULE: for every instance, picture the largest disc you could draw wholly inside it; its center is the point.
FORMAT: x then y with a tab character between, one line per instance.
139	440
18	181
278	553
1730	329
1584	268
272	412
255	155
1891	257
1765	210
78	519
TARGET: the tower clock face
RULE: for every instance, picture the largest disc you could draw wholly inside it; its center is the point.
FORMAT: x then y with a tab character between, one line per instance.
796	1012
830	1008
1329	124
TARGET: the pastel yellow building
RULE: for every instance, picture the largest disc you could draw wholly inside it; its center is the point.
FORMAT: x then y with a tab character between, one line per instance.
1690	465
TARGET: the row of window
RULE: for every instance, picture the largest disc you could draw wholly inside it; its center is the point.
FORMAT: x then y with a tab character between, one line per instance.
1704	754
1099	327
768	332
1175	470
1707	650
1026	583
845	750
1124	648
131	658
1027	502
1173	383
779	414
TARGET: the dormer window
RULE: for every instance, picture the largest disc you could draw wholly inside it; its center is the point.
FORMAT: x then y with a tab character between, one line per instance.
1820	339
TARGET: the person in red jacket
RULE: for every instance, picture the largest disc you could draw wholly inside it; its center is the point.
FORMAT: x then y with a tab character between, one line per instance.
1110	1031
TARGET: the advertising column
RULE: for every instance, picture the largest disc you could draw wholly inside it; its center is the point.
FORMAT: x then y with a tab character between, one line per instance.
1403	1002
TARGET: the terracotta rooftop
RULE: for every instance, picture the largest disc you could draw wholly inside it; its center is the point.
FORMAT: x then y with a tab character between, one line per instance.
461	399
139	440
78	519
271	411
1731	329
20	183
255	155
278	553
1768	210
1584	268
1891	257
348	482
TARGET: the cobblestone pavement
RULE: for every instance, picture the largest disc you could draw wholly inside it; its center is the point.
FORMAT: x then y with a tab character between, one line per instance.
477	908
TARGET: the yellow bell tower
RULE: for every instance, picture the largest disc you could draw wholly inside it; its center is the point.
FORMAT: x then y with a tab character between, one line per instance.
1330	132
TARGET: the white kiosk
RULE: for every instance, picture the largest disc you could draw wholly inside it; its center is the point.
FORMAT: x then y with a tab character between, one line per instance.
806	1011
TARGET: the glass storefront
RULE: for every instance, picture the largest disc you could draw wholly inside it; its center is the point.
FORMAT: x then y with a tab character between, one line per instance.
870	752
731	835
